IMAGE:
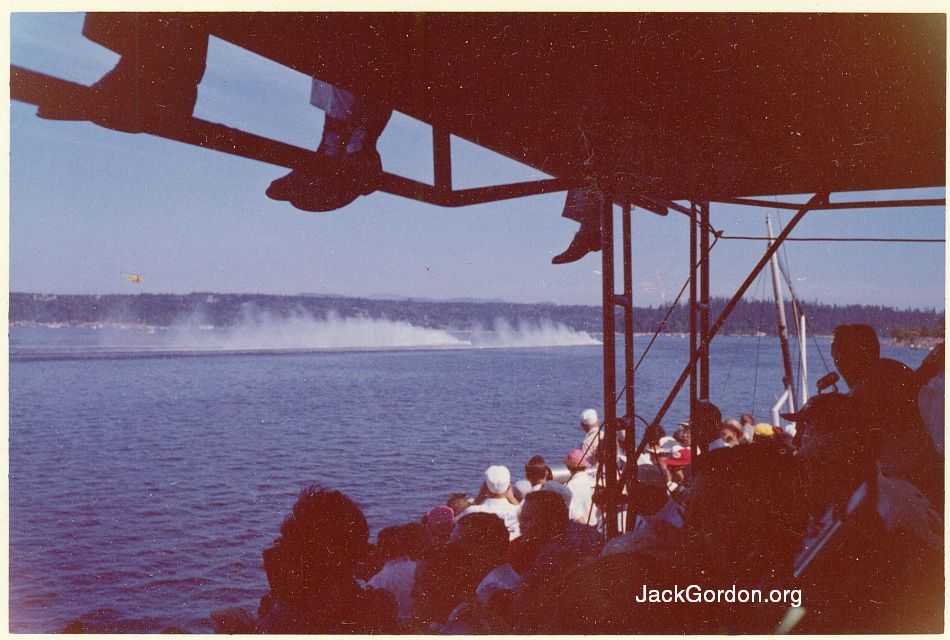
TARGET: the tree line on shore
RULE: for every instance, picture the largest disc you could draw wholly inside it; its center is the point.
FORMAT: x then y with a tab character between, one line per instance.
223	310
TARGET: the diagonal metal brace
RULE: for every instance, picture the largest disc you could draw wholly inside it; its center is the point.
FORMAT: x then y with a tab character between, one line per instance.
37	88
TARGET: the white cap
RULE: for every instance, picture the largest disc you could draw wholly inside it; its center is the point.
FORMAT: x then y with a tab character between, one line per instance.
589	417
667	445
497	478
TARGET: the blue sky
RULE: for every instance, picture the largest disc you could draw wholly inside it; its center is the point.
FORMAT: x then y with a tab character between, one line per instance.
87	204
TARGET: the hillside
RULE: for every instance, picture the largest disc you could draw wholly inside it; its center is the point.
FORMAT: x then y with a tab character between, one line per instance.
223	310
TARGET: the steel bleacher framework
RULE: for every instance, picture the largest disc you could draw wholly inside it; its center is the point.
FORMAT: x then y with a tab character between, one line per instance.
36	88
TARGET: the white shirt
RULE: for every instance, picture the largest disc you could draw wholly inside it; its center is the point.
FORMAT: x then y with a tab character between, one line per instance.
748	432
906	512
556	487
591	440
651	534
398	577
582	507
501	508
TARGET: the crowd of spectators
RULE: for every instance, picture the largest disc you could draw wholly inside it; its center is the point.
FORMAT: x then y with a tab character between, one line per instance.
842	510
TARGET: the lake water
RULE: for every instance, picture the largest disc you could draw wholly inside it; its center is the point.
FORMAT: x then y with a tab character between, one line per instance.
145	482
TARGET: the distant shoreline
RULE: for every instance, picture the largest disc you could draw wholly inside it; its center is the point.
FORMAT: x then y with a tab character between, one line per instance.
207	311
923	343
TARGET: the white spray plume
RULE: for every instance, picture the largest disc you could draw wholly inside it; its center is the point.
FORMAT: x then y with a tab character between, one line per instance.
544	333
259	330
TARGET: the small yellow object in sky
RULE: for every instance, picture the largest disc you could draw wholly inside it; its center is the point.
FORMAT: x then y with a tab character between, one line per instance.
132	277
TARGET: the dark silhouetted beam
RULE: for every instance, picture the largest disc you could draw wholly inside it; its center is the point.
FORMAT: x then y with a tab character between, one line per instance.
869	204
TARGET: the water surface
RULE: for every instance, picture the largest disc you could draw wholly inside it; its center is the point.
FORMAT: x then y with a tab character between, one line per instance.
143	488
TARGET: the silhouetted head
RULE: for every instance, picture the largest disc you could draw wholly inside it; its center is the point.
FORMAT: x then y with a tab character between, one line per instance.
708	421
481	534
653	434
651	492
543	516
684	434
731	432
411	540
440	521
321	541
449	574
743	512
458	502
855	350
537	471
746	418
931	366
837	449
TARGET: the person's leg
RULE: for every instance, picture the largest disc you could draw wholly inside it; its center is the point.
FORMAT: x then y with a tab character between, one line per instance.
323	167
346	163
372	120
155	82
583	205
341	108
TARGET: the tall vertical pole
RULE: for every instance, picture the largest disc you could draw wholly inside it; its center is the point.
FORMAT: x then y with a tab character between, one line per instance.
789	380
610	363
629	436
803	355
704	301
628	312
692	329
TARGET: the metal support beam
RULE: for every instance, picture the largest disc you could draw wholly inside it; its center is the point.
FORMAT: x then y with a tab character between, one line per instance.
609	462
630	432
37	88
693	313
704	300
407	188
659	202
650	205
828	206
442	159
494	193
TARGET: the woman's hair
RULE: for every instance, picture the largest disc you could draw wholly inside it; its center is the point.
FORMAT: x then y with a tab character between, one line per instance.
323	538
548	511
410	540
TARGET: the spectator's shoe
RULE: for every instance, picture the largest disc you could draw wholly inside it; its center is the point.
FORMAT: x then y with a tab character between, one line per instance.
358	175
585	241
115	103
315	174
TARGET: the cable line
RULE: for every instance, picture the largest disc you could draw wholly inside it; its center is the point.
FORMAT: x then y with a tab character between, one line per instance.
762	238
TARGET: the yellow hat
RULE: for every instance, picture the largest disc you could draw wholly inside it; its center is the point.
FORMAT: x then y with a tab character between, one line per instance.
764	429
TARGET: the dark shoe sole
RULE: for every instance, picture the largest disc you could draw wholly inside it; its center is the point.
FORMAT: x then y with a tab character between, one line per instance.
358	179
579	247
